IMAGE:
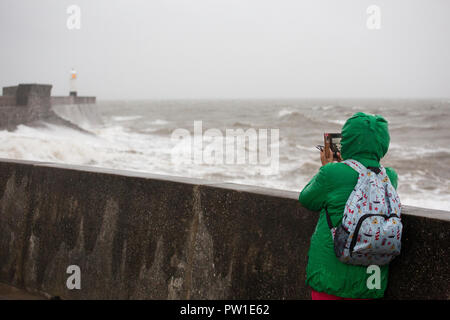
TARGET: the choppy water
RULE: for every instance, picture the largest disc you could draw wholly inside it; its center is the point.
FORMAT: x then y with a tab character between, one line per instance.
137	136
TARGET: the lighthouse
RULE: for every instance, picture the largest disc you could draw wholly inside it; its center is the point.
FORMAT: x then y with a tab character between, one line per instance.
73	80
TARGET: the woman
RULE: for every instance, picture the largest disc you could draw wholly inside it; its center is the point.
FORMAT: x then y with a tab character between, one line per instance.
365	138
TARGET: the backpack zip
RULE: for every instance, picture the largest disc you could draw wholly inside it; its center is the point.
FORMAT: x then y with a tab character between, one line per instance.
358	226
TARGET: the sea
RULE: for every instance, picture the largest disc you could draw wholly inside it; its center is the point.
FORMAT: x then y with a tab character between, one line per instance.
139	136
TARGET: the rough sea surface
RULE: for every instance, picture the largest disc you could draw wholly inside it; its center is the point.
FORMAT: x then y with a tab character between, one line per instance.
136	135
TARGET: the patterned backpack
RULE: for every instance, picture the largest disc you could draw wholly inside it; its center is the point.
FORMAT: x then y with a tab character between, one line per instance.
371	228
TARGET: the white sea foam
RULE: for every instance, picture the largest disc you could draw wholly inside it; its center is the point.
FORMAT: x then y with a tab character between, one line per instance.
285	112
406	151
126	118
339	122
53	144
158	122
308	149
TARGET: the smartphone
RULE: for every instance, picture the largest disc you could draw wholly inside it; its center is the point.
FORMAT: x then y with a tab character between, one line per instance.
332	141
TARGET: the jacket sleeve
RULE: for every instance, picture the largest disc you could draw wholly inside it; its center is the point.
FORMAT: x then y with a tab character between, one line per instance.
314	194
392	176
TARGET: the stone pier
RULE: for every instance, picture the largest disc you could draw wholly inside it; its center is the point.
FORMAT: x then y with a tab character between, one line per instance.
28	103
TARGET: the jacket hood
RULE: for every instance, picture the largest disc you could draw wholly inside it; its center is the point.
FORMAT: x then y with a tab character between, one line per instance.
365	136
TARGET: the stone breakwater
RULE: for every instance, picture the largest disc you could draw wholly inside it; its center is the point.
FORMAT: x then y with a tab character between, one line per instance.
145	236
32	103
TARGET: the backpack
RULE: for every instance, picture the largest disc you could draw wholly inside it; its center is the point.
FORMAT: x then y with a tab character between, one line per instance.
371	227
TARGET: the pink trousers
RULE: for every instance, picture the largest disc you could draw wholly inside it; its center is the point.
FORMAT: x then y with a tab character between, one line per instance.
325	296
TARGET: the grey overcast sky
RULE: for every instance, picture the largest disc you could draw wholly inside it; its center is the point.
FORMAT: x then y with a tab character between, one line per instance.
129	49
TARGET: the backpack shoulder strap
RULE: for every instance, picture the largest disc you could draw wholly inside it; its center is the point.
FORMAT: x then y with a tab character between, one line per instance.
383	171
355	165
383	174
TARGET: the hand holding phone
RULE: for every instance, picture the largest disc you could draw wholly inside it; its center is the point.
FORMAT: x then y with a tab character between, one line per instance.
331	150
332	143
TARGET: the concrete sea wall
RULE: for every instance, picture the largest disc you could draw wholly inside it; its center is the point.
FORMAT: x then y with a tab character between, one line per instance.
82	115
31	103
70	100
10	91
11	117
7	101
144	236
32	95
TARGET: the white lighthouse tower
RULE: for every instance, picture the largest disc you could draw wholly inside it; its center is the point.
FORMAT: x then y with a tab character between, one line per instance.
73	84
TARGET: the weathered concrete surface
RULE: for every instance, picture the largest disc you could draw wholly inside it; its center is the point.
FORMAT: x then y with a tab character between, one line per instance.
11	117
10	91
144	236
7	101
25	93
11	293
30	104
83	115
33	95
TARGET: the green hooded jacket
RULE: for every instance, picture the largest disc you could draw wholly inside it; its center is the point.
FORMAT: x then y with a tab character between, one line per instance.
365	138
